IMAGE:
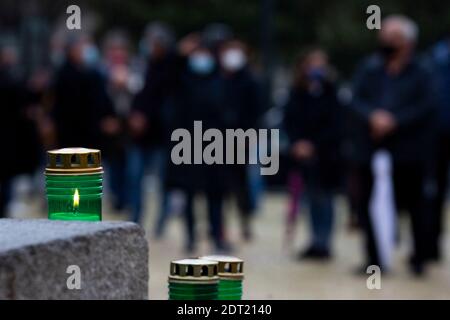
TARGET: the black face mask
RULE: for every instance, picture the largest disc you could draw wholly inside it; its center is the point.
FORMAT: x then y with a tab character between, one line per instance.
387	50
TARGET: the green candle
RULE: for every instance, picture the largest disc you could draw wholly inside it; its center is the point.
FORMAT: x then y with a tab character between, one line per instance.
231	274
193	279
74	184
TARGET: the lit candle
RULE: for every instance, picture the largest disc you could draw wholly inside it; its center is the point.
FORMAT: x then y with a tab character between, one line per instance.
76	201
74	184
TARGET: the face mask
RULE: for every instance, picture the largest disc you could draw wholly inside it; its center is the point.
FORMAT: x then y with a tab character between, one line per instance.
201	63
233	60
316	74
57	58
144	48
387	50
90	55
147	48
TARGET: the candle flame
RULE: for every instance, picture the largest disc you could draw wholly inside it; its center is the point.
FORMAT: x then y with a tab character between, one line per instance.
76	199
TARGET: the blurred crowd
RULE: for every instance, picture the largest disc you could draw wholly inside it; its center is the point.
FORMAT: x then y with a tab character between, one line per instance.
384	139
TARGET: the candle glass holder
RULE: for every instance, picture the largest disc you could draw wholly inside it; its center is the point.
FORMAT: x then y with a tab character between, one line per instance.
74	184
231	275
193	279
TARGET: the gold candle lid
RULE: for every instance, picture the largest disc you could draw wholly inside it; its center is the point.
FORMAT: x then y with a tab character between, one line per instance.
73	161
193	271
229	267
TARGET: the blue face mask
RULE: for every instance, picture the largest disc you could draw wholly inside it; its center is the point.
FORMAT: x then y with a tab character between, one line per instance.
316	74
90	55
201	63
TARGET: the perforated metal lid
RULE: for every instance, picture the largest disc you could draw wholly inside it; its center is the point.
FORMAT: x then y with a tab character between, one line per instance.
229	267
73	161
194	270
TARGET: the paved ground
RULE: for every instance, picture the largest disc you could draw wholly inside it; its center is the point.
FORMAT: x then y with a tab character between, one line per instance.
272	271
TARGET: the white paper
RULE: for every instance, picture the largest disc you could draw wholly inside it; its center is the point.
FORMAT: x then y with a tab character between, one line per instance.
382	208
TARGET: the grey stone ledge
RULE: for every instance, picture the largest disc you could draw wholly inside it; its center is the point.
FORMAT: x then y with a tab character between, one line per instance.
35	255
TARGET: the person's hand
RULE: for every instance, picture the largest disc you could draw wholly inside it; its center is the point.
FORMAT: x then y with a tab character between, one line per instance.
303	150
110	125
119	76
382	123
137	123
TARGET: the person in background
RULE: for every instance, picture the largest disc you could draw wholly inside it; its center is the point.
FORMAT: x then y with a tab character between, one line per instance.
80	98
311	121
199	97
11	96
120	90
242	109
440	64
39	99
393	102
215	35
41	131
147	122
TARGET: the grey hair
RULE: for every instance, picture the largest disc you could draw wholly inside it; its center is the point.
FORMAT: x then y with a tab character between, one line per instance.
409	28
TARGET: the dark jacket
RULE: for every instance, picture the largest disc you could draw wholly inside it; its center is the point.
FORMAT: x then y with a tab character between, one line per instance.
316	118
440	63
11	97
80	103
198	98
19	139
408	96
242	100
160	79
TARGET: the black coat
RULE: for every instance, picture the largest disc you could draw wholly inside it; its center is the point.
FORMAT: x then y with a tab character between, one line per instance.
80	104
242	100
316	118
18	134
409	96
198	98
160	80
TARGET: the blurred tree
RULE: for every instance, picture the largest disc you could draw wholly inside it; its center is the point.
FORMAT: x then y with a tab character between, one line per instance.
337	25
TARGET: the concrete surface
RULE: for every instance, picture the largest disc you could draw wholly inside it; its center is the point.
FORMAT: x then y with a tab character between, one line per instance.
271	268
35	255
